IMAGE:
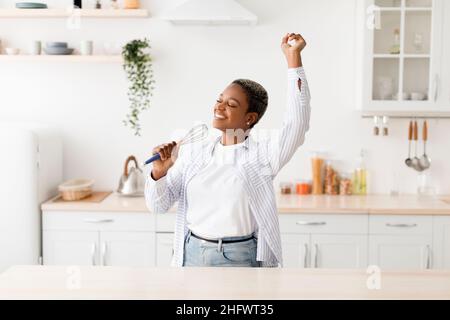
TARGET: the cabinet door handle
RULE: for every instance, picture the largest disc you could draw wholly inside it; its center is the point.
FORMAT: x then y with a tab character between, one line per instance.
104	250
98	220
305	223
316	254
428	266
436	87
401	225
305	259
93	253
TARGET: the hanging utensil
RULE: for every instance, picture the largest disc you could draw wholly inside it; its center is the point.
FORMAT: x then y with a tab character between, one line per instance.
197	133
408	161
415	161
425	161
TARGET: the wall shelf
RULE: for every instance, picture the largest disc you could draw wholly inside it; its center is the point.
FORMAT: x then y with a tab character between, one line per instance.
406	114
64	13
397	56
62	58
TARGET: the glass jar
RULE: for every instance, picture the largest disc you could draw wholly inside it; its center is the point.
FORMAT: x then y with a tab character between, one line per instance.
345	185
303	187
425	186
331	180
131	4
286	188
317	175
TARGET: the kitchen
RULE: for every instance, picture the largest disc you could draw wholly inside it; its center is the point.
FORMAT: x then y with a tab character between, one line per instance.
359	120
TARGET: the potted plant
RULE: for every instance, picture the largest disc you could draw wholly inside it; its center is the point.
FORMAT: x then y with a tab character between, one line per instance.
138	67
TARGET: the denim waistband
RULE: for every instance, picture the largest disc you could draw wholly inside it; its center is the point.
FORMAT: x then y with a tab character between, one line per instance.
253	235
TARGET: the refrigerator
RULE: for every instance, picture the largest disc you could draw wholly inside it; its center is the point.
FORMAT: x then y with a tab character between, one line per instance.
30	170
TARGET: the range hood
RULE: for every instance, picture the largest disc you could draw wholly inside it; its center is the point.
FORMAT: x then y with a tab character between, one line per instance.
211	12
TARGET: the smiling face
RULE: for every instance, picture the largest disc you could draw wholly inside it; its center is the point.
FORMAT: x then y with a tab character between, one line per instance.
231	110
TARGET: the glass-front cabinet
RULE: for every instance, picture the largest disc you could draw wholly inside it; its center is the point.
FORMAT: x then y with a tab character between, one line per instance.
401	57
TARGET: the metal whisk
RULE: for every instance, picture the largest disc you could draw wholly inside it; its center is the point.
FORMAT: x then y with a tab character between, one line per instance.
197	133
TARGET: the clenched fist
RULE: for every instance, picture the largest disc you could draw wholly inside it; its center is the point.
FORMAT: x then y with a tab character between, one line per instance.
168	153
292	45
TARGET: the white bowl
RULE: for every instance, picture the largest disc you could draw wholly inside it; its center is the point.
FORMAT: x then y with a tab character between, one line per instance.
418	96
12	51
405	96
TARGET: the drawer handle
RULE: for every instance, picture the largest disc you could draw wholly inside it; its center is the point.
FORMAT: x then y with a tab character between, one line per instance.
428	266
401	225
93	253
304	223
305	260
98	220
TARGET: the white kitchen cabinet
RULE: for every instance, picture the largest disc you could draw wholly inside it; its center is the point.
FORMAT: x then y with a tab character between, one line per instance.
401	57
308	240
135	249
324	251
324	241
296	252
400	251
401	242
441	242
99	238
339	251
164	249
71	248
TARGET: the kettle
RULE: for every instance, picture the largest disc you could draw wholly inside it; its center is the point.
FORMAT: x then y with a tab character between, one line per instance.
131	182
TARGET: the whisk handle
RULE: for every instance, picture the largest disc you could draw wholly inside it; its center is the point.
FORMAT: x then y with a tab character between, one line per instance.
154	158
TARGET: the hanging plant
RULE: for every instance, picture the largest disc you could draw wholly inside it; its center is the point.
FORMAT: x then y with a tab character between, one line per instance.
138	67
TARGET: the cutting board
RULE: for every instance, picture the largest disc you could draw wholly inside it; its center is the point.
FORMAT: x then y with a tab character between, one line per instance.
96	197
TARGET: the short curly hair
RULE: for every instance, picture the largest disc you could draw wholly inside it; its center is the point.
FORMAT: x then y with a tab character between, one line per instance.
257	97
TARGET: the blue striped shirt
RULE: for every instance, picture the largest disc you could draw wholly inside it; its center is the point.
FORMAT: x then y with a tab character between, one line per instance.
257	164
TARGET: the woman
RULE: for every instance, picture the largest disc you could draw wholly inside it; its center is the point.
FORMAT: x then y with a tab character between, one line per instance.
227	213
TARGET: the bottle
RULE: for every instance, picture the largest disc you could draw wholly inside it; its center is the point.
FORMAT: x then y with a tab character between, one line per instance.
360	176
395	49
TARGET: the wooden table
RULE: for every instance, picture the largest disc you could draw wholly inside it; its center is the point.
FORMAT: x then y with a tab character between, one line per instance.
59	282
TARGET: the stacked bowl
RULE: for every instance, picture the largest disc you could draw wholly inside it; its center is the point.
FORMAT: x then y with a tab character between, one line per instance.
57	48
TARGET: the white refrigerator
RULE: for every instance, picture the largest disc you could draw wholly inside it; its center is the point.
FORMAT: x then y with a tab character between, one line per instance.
30	171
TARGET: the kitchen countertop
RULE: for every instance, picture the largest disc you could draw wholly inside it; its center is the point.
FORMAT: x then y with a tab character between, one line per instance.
370	204
59	282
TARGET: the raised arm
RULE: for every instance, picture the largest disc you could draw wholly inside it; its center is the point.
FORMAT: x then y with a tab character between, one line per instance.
296	119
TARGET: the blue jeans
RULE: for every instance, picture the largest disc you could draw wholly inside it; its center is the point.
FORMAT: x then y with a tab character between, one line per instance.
201	253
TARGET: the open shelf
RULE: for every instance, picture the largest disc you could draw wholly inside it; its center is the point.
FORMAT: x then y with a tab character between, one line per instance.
391	56
64	13
61	58
406	114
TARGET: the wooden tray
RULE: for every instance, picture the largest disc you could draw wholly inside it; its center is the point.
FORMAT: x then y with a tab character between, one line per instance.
97	196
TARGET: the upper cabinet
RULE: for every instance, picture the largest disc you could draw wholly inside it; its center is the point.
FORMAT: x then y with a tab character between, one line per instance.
402	58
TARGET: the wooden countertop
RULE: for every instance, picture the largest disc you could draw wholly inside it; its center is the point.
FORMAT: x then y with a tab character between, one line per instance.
59	282
371	204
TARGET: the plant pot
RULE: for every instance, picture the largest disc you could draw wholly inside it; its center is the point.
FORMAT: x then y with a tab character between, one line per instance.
131	4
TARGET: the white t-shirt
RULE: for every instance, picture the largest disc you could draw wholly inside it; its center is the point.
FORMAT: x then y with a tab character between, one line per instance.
217	201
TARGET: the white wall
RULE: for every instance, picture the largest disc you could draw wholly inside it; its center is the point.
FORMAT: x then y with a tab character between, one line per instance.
192	65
